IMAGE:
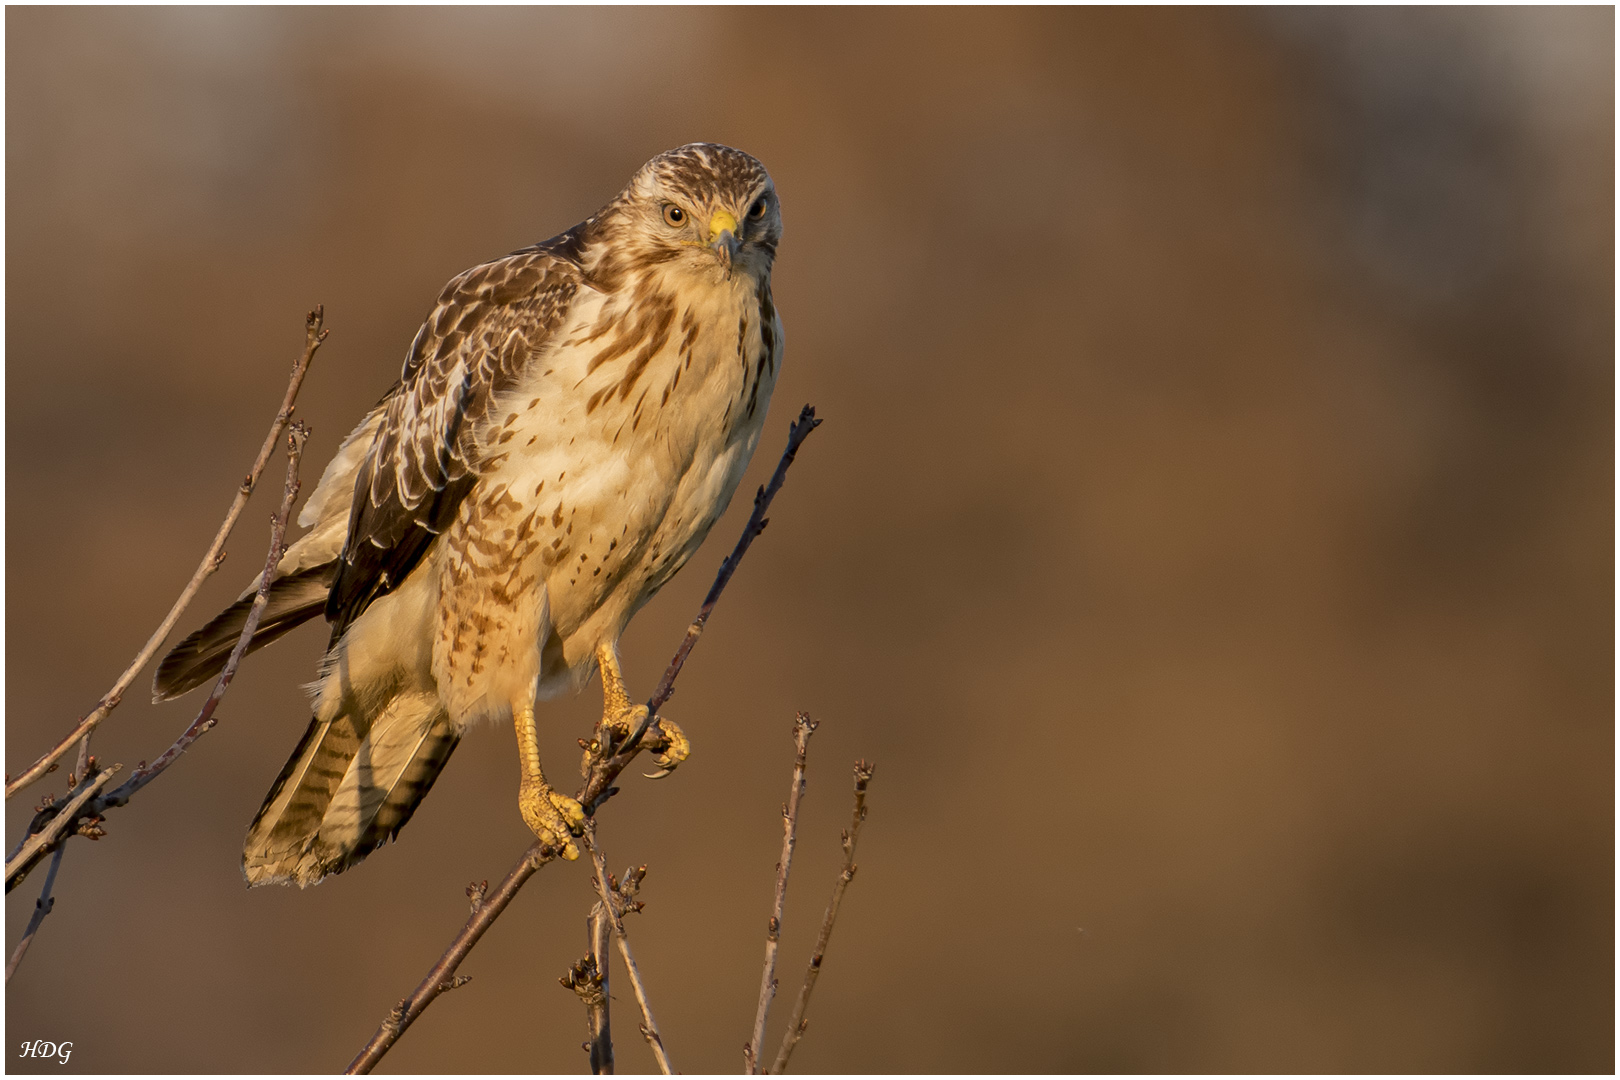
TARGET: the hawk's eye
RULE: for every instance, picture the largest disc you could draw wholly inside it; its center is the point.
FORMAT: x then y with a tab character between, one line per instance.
758	209
674	216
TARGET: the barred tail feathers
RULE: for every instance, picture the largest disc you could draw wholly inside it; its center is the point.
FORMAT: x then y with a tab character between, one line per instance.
351	785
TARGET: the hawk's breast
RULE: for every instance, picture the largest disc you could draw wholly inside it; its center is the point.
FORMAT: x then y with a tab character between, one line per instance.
603	470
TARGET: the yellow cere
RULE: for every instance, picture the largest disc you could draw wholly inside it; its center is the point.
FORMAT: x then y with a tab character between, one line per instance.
722	222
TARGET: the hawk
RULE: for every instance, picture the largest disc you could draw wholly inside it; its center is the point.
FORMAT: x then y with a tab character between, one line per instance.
570	422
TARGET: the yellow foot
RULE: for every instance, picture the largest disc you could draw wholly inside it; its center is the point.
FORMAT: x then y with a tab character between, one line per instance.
664	738
551	816
670	744
620	719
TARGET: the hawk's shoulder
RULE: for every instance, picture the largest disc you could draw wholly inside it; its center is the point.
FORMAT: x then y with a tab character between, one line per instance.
487	325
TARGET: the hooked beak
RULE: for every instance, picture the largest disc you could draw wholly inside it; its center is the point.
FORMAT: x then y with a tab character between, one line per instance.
723	237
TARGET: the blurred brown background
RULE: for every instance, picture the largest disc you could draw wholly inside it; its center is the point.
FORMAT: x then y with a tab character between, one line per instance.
1210	538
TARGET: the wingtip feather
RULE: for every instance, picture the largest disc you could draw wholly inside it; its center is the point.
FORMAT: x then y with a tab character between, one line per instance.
198	659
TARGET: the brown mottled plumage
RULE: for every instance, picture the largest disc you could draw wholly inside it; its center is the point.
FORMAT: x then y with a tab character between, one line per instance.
570	422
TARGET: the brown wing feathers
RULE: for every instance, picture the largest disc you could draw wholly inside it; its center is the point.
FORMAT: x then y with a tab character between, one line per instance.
293	601
488	323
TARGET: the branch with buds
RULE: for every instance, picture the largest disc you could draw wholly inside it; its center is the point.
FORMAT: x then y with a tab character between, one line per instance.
588	978
314	335
618	899
797	1023
82	813
803	728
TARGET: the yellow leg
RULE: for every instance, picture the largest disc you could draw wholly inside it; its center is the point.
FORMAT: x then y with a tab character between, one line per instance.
622	717
615	702
550	815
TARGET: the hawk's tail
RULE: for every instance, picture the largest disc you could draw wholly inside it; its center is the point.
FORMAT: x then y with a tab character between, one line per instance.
350	786
292	601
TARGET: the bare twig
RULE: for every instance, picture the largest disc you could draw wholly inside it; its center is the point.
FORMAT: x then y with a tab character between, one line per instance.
55	829
81	766
588	979
313	336
205	720
42	908
43	813
48	814
797	1022
803	728
439	978
585	980
600	1021
616	899
606	767
798	431
92	810
46	903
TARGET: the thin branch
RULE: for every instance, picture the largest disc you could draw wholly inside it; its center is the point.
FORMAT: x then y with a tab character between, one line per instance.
313	336
81	766
605	768
205	720
588	979
797	1022
46	903
798	431
42	908
617	898
442	975
803	728
46	835
600	1021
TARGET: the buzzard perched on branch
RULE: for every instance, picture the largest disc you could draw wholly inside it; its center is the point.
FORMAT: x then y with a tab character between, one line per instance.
570	422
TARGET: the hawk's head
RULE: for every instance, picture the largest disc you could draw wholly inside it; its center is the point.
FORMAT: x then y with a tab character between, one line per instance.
703	207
